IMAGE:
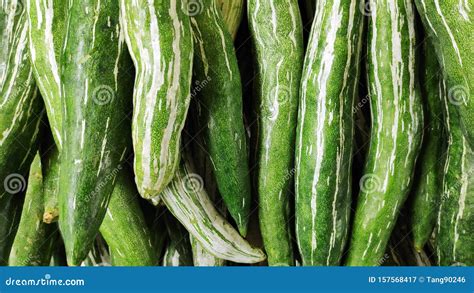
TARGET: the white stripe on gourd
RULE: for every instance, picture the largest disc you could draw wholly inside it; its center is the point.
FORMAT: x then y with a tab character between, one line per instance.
202	258
21	112
221	115
94	125
161	99
396	135
42	42
334	21
195	210
450	22
276	30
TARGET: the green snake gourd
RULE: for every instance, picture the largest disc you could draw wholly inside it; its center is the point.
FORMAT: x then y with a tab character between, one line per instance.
324	141
96	85
397	121
450	24
21	110
279	55
426	195
47	21
124	227
455	221
35	240
159	38
452	29
220	109
188	201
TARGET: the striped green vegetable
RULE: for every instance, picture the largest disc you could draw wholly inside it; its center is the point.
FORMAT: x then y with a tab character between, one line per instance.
232	12
188	201
279	57
35	240
397	121
220	109
21	111
124	227
159	39
455	222
178	252
47	24
96	96
426	192
450	23
452	30
202	258
325	131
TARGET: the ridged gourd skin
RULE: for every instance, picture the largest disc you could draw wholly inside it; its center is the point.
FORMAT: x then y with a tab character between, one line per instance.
124	227
21	111
396	134
161	47
219	93
178	251
47	26
188	201
96	91
325	133
232	12
430	165
35	240
450	25
279	54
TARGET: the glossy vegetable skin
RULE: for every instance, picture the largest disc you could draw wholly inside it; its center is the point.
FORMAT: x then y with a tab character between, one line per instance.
96	91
